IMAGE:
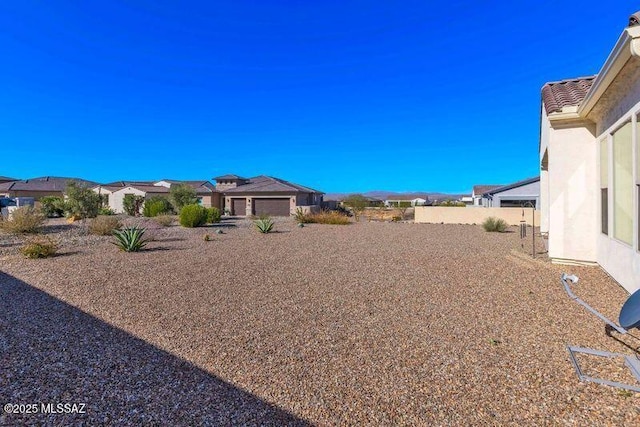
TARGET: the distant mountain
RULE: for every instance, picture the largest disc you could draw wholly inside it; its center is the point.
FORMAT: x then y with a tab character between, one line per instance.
384	195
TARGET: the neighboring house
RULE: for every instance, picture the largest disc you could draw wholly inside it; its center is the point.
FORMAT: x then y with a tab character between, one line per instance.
525	193
467	200
40	187
413	199
479	190
266	195
115	192
590	165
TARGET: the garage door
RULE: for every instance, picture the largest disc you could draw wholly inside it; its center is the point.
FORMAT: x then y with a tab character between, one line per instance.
239	207
273	207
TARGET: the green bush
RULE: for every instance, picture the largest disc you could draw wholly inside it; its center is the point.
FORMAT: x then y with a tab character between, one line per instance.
52	206
23	220
493	224
132	203
264	224
193	216
213	215
156	205
164	220
81	202
104	225
41	247
130	239
106	211
182	195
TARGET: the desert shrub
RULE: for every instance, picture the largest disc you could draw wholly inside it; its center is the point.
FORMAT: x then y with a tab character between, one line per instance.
132	203
206	238
193	215
326	217
23	220
106	211
452	203
264	224
41	247
164	220
357	203
52	206
300	217
182	195
81	202
156	205
130	239
493	224
213	215
104	225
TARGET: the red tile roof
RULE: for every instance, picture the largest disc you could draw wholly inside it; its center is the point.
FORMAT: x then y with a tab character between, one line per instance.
565	93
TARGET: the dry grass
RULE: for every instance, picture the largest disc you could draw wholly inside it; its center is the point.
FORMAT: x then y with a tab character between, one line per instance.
104	225
24	220
324	217
372	324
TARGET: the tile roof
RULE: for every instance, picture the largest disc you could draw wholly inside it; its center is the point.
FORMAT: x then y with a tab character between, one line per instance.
268	184
481	189
44	184
200	186
565	93
408	196
514	185
6	178
228	177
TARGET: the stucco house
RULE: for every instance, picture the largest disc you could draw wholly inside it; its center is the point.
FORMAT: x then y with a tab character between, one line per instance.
413	199
479	190
590	165
115	192
525	193
40	187
266	195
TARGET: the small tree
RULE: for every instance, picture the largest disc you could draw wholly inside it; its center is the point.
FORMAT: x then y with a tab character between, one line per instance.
402	207
182	195
132	203
52	206
357	203
81	202
156	205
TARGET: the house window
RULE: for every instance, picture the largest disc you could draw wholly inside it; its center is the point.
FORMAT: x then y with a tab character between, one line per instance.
604	187
623	185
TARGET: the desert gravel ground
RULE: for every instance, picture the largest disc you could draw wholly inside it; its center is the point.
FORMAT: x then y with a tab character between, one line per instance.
366	324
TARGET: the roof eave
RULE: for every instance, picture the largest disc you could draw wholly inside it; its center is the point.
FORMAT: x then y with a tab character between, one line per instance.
628	45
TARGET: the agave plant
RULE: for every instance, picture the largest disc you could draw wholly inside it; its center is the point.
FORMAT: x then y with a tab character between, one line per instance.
264	224
130	239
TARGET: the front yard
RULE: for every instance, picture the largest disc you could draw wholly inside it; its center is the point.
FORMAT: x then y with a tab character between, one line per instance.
370	323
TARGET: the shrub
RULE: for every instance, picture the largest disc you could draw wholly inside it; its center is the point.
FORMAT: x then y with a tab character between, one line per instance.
132	203
23	220
182	195
357	203
104	225
81	202
41	247
156	205
164	220
130	239
326	217
493	224
52	206
264	224
213	215
106	211
206	238
193	215
301	217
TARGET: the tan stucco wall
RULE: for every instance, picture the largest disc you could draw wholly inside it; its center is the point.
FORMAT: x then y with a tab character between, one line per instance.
472	215
572	192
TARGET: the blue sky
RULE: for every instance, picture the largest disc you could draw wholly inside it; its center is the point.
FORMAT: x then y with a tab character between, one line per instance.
337	95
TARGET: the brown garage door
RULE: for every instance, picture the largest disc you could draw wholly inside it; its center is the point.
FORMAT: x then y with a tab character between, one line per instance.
239	207
273	207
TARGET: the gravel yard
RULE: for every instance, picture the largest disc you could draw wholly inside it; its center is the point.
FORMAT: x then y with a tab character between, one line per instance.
371	323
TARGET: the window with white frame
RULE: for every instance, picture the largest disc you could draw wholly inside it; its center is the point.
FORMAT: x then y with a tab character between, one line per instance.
623	184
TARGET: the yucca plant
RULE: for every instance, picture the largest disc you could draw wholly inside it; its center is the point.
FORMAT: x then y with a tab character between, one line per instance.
130	239
264	224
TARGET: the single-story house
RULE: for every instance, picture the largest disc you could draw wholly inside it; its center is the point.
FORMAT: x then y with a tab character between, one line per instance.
590	165
479	190
40	187
413	199
266	195
115	192
525	193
